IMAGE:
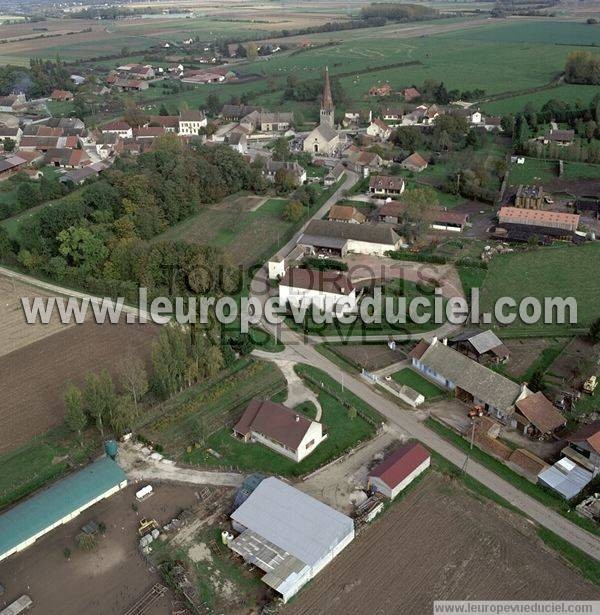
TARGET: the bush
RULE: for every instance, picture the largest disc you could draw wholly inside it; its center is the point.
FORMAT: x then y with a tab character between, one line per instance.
405	255
324	264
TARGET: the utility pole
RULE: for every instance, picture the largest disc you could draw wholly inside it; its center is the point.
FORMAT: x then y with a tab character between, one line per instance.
464	466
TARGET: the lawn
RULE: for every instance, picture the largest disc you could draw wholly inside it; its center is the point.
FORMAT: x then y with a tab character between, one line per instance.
345	430
532	171
40	461
565	271
410	378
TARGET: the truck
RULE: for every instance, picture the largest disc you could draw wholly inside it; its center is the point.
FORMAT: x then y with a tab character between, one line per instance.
18	606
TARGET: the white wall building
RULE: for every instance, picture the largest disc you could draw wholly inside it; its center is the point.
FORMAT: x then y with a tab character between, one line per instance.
330	291
288	535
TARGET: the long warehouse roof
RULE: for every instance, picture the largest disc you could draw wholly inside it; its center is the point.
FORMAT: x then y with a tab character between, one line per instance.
51	505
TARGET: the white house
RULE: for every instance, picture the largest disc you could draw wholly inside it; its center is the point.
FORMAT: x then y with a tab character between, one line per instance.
288	535
379	129
190	122
281	429
119	127
399	469
330	291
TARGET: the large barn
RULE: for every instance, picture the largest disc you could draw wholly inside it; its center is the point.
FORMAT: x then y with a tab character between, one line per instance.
289	535
22	525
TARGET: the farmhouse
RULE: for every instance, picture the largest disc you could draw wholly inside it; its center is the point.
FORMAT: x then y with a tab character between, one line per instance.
66	157
559	137
334	175
584	446
421	115
119	127
378	128
139	71
190	122
331	291
480	345
346	213
148	132
237	112
386	185
392	115
11	165
238	141
22	525
415	163
471	382
13	103
538	417
324	139
354	117
169	122
285	431
12	133
529	197
275	122
362	161
297	172
288	535
399	469
61	96
341	238
536	218
392	212
130	84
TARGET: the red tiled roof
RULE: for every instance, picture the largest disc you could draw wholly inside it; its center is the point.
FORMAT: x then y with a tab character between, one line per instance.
274	421
589	433
400	464
415	160
536	216
386	182
396	209
419	350
540	412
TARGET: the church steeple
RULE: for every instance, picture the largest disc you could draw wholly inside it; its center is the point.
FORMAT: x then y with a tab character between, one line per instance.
327	110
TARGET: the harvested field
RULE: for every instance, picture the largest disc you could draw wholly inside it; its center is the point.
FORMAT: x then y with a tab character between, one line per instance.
109	579
523	353
33	378
438	543
15	332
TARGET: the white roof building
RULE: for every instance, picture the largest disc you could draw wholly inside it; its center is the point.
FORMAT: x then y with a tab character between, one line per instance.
565	477
289	535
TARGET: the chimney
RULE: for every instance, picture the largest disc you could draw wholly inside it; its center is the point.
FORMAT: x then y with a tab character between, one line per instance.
445	341
297	418
434	340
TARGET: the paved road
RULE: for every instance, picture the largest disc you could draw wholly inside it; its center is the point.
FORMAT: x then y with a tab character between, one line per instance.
408	423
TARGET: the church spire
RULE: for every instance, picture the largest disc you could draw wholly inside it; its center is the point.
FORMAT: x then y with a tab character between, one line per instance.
327	99
327	112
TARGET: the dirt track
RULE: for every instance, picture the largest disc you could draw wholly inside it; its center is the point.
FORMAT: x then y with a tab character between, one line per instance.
33	378
439	543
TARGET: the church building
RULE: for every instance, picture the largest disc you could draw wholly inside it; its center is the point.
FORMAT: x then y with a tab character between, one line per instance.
324	140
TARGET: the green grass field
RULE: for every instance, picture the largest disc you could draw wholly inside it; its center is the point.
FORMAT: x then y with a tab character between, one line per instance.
564	271
40	461
538	171
410	378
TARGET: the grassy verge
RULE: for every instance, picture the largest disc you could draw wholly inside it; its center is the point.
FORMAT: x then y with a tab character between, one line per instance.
41	461
345	429
588	567
544	496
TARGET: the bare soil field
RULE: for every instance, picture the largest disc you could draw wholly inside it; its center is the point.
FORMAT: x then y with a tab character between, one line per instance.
15	332
523	352
440	543
33	378
107	580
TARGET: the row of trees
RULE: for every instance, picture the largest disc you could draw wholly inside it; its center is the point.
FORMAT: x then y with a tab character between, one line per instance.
98	402
39	79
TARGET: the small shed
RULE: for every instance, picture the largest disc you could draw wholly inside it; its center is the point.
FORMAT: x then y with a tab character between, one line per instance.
399	469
